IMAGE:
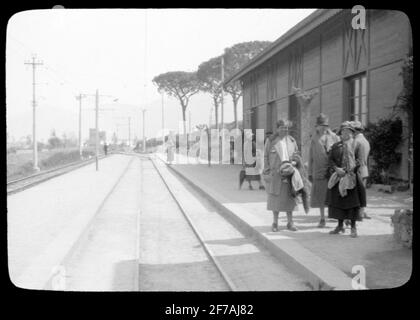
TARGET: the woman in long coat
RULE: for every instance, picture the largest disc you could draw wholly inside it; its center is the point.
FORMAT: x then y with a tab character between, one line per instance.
278	148
345	194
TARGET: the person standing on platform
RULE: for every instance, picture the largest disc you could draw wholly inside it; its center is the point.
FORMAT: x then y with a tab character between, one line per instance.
105	148
344	194
170	146
361	152
278	148
321	143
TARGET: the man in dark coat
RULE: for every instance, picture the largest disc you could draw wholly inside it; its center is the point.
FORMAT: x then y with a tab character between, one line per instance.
321	143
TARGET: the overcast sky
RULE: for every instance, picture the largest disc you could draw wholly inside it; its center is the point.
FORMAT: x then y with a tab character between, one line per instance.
119	51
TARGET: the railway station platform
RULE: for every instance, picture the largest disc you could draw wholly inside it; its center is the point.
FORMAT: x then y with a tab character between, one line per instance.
45	220
332	259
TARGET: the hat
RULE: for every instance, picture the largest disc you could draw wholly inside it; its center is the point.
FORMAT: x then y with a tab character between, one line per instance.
322	120
336	130
346	125
283	123
357	125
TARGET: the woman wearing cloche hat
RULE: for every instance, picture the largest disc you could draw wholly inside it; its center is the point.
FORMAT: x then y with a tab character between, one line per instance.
343	197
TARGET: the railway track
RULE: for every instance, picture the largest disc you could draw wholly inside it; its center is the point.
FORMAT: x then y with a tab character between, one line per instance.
151	233
209	252
130	236
170	241
21	184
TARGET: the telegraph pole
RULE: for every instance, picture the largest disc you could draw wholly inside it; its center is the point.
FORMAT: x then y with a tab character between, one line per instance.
34	141
223	79
144	136
80	97
96	128
163	124
97	95
129	131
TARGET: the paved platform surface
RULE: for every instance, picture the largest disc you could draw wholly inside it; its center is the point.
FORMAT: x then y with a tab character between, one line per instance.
44	221
245	264
387	264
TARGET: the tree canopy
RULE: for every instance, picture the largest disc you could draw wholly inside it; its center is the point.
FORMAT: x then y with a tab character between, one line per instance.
179	84
241	53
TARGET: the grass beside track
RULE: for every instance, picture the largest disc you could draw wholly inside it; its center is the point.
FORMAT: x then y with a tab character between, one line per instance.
19	164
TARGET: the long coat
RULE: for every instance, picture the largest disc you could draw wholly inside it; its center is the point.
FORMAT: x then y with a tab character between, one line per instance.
344	207
318	166
279	196
361	151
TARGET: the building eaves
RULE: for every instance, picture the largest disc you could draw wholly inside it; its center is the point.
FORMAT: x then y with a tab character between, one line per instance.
299	30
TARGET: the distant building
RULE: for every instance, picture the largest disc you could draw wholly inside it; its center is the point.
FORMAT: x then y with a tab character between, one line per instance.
92	137
348	74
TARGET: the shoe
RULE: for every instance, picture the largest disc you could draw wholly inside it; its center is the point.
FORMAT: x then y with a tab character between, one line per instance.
337	230
250	187
322	223
274	227
262	188
365	216
291	226
353	233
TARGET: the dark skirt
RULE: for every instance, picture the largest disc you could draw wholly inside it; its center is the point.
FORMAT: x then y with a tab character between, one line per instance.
343	214
347	207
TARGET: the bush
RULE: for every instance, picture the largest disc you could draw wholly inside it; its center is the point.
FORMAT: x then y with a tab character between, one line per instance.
402	220
63	158
11	150
384	137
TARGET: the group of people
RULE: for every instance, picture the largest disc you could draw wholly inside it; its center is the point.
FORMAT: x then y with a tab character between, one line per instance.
337	172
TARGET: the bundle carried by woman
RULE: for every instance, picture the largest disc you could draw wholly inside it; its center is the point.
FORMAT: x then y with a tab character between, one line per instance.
294	173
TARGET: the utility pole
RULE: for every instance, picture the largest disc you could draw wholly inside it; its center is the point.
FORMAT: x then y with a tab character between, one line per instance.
80	97
97	95
96	128
223	79
129	131
34	141
144	135
163	124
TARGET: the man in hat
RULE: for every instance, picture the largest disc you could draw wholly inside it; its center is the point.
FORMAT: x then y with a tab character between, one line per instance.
278	148
361	152
321	143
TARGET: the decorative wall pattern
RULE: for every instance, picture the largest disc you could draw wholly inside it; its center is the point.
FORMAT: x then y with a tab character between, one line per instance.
296	67
355	47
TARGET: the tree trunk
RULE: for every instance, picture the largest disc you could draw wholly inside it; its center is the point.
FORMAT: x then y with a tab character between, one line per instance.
235	110
184	108
216	113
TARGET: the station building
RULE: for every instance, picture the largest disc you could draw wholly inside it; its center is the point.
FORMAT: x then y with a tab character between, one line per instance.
323	64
